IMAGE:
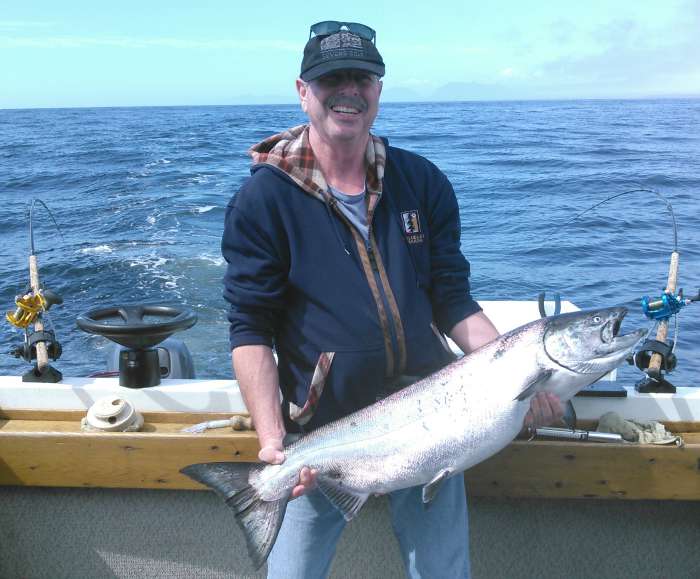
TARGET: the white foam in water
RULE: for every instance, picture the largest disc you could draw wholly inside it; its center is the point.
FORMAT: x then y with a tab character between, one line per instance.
213	259
151	219
200	179
96	249
149	262
153	272
158	162
204	209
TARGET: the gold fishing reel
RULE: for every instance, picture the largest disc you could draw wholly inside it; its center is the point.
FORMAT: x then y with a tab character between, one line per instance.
29	308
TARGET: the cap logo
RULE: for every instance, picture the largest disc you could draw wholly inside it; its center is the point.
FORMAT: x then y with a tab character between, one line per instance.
342	44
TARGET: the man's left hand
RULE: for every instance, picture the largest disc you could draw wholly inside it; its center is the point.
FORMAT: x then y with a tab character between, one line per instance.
545	409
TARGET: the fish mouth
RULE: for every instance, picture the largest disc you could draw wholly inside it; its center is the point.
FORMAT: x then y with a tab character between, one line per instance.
611	330
613	341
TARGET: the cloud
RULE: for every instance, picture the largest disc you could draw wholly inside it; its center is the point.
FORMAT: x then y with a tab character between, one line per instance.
23	24
563	31
434	48
617	32
630	56
135	43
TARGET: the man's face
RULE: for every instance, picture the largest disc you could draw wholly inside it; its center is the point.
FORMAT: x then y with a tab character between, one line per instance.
341	105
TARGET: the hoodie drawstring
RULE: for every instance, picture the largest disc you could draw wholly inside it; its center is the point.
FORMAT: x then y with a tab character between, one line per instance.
330	200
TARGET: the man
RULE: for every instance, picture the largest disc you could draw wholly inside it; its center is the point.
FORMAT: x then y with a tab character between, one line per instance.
344	254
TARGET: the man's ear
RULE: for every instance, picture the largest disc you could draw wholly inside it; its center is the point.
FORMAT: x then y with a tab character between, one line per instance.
302	91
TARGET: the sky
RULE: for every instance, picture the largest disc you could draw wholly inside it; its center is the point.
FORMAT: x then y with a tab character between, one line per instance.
162	53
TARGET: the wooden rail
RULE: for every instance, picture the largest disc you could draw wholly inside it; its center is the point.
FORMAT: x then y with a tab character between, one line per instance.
48	449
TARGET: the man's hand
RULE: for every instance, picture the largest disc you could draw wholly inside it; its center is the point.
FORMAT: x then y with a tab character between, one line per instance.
545	409
256	370
272	453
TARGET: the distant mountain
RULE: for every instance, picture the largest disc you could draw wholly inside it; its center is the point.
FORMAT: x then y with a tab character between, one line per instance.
475	91
460	91
402	94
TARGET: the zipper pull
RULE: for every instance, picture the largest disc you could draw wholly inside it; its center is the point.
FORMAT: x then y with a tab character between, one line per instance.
372	257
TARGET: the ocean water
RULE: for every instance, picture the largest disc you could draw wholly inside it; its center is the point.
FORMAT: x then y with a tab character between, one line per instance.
139	197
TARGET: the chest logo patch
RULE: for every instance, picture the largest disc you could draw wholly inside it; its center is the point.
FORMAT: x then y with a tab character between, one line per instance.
411	226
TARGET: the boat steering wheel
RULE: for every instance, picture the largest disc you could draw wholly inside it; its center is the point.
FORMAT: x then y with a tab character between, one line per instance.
136	326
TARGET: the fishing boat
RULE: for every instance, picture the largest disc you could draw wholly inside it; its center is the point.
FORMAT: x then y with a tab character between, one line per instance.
83	501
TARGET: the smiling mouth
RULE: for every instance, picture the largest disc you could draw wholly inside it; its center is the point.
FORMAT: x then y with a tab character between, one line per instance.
345	110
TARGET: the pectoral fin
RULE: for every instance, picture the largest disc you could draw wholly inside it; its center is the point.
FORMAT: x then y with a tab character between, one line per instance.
534	386
348	503
431	489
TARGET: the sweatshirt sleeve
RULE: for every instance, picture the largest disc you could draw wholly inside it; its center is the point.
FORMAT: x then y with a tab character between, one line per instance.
449	270
256	272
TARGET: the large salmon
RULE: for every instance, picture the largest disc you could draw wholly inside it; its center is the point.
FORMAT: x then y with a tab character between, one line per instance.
431	430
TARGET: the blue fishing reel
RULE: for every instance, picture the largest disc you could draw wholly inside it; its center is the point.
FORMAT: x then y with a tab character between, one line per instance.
663	307
659	309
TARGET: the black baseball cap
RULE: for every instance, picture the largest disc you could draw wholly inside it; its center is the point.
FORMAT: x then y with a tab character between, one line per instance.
341	49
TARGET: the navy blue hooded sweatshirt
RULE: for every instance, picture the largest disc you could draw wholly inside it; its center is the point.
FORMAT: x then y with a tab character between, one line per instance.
344	316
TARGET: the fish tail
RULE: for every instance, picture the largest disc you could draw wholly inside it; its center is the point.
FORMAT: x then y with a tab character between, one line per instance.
260	520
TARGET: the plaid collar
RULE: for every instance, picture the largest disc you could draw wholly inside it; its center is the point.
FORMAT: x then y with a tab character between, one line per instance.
291	152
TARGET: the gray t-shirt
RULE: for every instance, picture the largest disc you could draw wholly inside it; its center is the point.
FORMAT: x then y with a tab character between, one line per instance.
354	208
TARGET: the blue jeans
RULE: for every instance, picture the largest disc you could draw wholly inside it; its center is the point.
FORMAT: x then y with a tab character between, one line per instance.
434	541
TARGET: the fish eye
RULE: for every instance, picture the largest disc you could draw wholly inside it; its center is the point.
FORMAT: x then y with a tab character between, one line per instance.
597	319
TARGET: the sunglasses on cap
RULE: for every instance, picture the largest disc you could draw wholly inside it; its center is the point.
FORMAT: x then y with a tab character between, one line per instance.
332	26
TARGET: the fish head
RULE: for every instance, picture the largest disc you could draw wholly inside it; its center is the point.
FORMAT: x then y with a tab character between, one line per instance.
589	341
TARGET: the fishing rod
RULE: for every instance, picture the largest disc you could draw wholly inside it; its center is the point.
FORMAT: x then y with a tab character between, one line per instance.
31	307
655	356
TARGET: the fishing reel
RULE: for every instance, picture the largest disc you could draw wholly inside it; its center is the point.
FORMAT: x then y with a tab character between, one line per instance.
30	305
666	305
29	309
655	357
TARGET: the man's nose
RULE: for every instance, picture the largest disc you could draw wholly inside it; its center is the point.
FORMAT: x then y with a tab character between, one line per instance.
348	82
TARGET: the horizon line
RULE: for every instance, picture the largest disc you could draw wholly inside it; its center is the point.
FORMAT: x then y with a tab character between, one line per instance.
388	102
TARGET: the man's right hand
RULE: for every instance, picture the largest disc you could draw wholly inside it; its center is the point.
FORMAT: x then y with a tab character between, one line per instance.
256	371
272	453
